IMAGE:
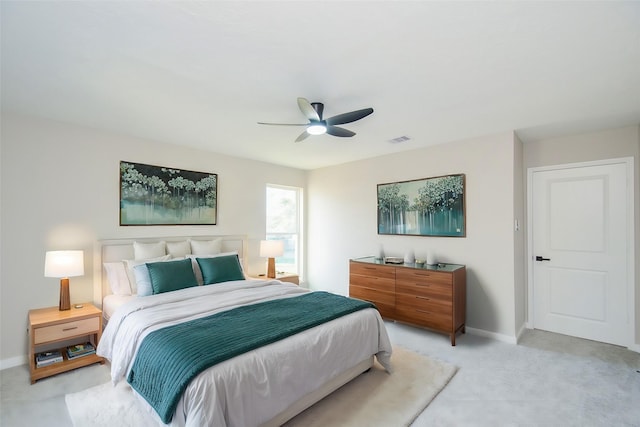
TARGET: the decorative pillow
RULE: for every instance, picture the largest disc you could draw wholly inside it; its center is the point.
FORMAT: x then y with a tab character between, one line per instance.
148	250
143	281
206	247
131	263
171	276
179	249
196	267
220	269
117	278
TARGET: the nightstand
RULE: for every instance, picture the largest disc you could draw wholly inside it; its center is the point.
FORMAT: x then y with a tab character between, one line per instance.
50	326
283	277
288	277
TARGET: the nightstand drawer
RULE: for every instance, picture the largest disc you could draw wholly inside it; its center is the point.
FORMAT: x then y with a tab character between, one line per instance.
66	330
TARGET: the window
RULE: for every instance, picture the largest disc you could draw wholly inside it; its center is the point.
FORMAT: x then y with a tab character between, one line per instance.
284	222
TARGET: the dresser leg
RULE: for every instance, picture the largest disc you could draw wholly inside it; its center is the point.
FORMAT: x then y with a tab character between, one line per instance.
453	339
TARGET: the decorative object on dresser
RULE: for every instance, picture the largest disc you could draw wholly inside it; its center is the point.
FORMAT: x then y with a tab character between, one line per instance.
64	264
169	196
423	207
50	326
271	249
431	296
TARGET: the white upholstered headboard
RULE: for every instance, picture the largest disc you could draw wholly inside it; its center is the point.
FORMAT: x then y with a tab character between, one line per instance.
113	250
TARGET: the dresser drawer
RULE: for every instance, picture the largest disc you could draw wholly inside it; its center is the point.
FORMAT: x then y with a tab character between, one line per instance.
426	289
66	330
425	304
413	275
384	301
372	270
423	317
377	283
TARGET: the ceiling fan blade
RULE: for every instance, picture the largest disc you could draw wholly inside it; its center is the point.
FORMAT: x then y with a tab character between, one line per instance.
308	111
337	131
341	119
284	124
304	135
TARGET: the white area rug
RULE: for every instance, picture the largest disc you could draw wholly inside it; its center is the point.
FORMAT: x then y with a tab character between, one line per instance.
373	399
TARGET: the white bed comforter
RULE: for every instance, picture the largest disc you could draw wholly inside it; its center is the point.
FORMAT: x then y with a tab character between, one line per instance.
250	389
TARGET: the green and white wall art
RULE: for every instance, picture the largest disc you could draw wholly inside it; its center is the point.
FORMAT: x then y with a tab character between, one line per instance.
423	207
156	195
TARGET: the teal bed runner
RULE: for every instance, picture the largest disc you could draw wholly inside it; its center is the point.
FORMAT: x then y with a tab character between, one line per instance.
169	358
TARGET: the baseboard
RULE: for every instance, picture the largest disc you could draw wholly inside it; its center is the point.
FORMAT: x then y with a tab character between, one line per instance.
523	328
493	335
634	347
13	362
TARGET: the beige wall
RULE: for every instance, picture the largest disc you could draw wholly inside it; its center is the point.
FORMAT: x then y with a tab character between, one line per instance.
60	190
342	222
610	144
519	244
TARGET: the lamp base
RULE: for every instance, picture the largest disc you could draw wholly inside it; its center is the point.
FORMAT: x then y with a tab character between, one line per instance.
65	299
271	268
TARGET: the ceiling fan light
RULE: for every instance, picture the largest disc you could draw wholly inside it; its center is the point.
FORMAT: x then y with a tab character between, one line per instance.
317	129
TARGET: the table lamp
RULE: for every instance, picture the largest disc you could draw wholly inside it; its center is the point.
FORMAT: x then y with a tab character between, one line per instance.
64	264
271	249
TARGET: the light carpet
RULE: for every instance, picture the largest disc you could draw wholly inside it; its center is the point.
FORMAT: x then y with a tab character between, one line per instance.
375	398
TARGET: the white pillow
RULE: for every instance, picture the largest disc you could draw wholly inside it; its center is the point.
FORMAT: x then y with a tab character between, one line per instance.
131	263
179	249
196	266
148	250
206	247
117	278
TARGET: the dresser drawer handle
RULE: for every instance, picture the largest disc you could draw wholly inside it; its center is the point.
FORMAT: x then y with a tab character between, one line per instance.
423	311
69	329
424	298
423	284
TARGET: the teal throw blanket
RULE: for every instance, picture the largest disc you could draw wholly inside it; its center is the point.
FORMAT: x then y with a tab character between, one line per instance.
169	358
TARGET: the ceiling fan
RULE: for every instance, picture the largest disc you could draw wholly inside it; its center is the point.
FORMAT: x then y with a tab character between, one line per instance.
318	126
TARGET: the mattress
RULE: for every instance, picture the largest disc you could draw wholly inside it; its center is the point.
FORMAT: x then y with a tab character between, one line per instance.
111	303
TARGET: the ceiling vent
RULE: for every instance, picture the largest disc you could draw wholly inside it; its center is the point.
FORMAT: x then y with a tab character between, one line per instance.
399	139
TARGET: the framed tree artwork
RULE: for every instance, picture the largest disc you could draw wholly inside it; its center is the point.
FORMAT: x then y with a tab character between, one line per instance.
156	195
423	207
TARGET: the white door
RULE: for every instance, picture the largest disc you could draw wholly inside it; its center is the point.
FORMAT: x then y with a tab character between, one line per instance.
580	241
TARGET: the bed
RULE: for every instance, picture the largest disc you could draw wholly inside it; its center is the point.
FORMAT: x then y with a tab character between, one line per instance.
264	385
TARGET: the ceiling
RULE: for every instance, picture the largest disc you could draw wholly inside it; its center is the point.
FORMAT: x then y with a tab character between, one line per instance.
202	74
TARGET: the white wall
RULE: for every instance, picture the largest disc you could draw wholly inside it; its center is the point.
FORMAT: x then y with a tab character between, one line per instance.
342	222
60	190
609	144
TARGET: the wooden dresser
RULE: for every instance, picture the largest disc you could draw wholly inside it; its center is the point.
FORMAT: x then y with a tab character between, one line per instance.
427	296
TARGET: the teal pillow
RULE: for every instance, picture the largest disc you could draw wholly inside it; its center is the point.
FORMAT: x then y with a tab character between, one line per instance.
171	275
220	269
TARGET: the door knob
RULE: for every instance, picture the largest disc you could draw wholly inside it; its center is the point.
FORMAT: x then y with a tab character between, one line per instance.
539	258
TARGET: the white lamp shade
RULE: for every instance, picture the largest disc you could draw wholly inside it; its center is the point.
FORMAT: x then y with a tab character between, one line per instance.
271	248
64	264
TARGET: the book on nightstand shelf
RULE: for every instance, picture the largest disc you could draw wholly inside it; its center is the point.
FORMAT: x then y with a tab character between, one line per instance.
80	350
47	358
